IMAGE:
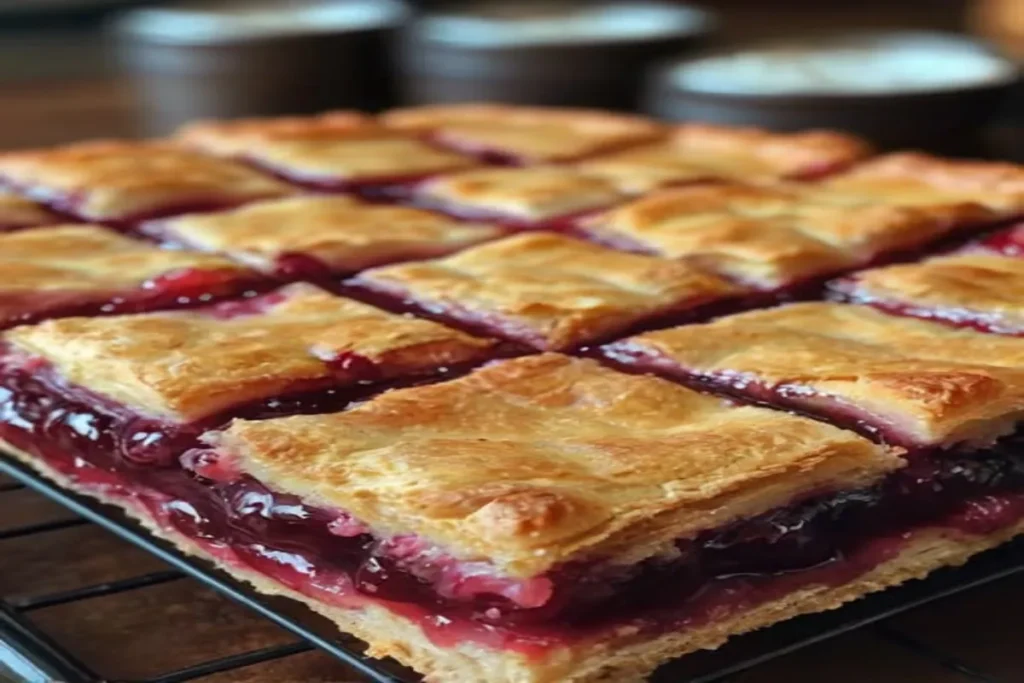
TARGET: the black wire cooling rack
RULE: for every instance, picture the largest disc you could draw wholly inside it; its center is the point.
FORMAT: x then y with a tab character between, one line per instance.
34	656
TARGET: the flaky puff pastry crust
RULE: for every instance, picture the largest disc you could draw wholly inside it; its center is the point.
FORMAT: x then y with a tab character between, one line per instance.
623	656
550	291
89	258
774	235
533	193
987	288
339	145
18	212
700	151
927	382
528	133
341	232
186	365
532	462
110	179
924	180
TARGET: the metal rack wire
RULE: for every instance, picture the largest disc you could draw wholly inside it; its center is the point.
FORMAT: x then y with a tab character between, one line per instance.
47	660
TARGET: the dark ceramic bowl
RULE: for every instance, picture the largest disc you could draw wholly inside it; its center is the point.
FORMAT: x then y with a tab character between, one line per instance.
561	54
233	60
942	113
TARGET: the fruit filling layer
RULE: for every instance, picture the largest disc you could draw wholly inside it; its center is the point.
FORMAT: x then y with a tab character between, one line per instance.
180	289
327	555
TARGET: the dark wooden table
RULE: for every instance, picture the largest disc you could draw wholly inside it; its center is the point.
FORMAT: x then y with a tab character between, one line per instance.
175	622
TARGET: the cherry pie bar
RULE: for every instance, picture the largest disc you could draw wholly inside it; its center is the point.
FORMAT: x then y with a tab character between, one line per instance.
523	135
534	196
312	235
120	182
90	270
775	236
695	151
916	383
475	384
549	291
338	150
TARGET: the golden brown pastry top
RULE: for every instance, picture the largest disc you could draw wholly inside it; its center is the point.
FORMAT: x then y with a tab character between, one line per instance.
190	364
773	235
114	179
344	233
335	145
532	462
19	212
88	258
915	178
548	290
930	382
528	133
986	285
699	151
533	193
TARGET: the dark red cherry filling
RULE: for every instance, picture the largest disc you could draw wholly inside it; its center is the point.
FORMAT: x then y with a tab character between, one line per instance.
1008	242
179	289
326	554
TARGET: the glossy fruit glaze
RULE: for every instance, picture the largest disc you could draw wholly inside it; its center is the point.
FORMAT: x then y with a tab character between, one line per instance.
179	289
330	557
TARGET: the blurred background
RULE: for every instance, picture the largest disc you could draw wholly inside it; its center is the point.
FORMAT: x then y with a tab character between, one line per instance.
914	72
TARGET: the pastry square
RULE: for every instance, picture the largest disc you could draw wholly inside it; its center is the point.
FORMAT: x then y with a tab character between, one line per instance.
335	150
920	179
522	135
120	181
313	235
525	197
184	366
91	270
911	381
774	236
700	151
979	290
547	290
16	212
518	513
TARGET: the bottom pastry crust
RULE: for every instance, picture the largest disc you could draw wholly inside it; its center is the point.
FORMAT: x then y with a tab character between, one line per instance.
622	656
